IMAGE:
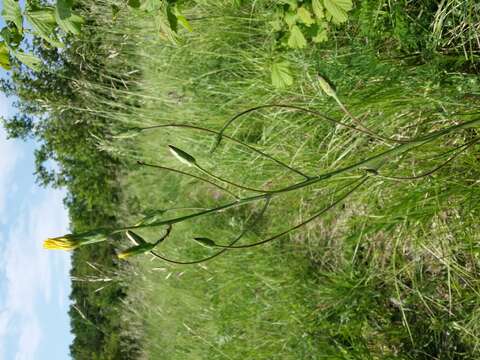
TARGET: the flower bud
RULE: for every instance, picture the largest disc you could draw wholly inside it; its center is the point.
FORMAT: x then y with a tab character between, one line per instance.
181	155
205	241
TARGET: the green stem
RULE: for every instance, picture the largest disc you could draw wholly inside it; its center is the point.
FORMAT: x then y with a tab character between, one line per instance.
323	211
189	175
178	262
372	163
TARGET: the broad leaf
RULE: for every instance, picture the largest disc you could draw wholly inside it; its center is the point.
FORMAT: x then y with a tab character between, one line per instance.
305	16
66	19
318	9
281	75
321	36
4	58
43	24
71	25
64	8
12	12
296	40
29	60
337	10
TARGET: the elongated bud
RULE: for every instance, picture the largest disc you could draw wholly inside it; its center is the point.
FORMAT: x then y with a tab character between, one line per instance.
181	155
135	238
326	87
136	250
205	241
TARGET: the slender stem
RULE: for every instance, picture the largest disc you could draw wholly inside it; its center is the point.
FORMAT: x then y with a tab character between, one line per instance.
430	172
202	169
167	234
310	219
372	163
309	111
245	230
239	142
143	163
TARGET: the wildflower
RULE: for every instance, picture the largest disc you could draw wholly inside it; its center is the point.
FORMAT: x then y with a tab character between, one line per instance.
60	243
73	241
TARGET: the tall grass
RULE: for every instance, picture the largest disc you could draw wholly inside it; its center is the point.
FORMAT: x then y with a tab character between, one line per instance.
392	274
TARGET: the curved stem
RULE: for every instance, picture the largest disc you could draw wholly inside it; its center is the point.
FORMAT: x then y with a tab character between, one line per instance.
143	163
323	211
231	182
239	142
373	163
430	172
293	107
178	262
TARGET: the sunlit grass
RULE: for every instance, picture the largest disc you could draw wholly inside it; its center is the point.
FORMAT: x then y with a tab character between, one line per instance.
391	274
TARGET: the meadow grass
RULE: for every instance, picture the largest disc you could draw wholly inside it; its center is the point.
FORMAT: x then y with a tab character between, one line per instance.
392	273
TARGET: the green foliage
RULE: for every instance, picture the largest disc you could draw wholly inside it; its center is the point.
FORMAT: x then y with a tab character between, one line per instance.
296	21
44	21
281	75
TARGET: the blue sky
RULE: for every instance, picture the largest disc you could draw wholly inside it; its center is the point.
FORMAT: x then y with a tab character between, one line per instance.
34	283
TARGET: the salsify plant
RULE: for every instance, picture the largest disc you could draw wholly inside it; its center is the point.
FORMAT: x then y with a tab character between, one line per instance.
360	173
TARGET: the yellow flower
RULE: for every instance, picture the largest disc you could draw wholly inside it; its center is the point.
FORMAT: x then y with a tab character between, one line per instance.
61	243
73	241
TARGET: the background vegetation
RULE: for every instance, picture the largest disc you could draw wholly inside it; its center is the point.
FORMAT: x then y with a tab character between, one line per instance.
391	274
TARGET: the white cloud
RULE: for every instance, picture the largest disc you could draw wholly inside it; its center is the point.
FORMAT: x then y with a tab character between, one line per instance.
29	340
32	273
10	153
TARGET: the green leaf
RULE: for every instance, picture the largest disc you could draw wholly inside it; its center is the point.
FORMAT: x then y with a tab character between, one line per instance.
115	10
12	37
296	40
12	12
318	9
172	19
281	75
64	8
4	58
322	33
305	16
71	25
66	19
29	60
290	18
43	24
292	3
182	19
337	10
276	25
134	4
